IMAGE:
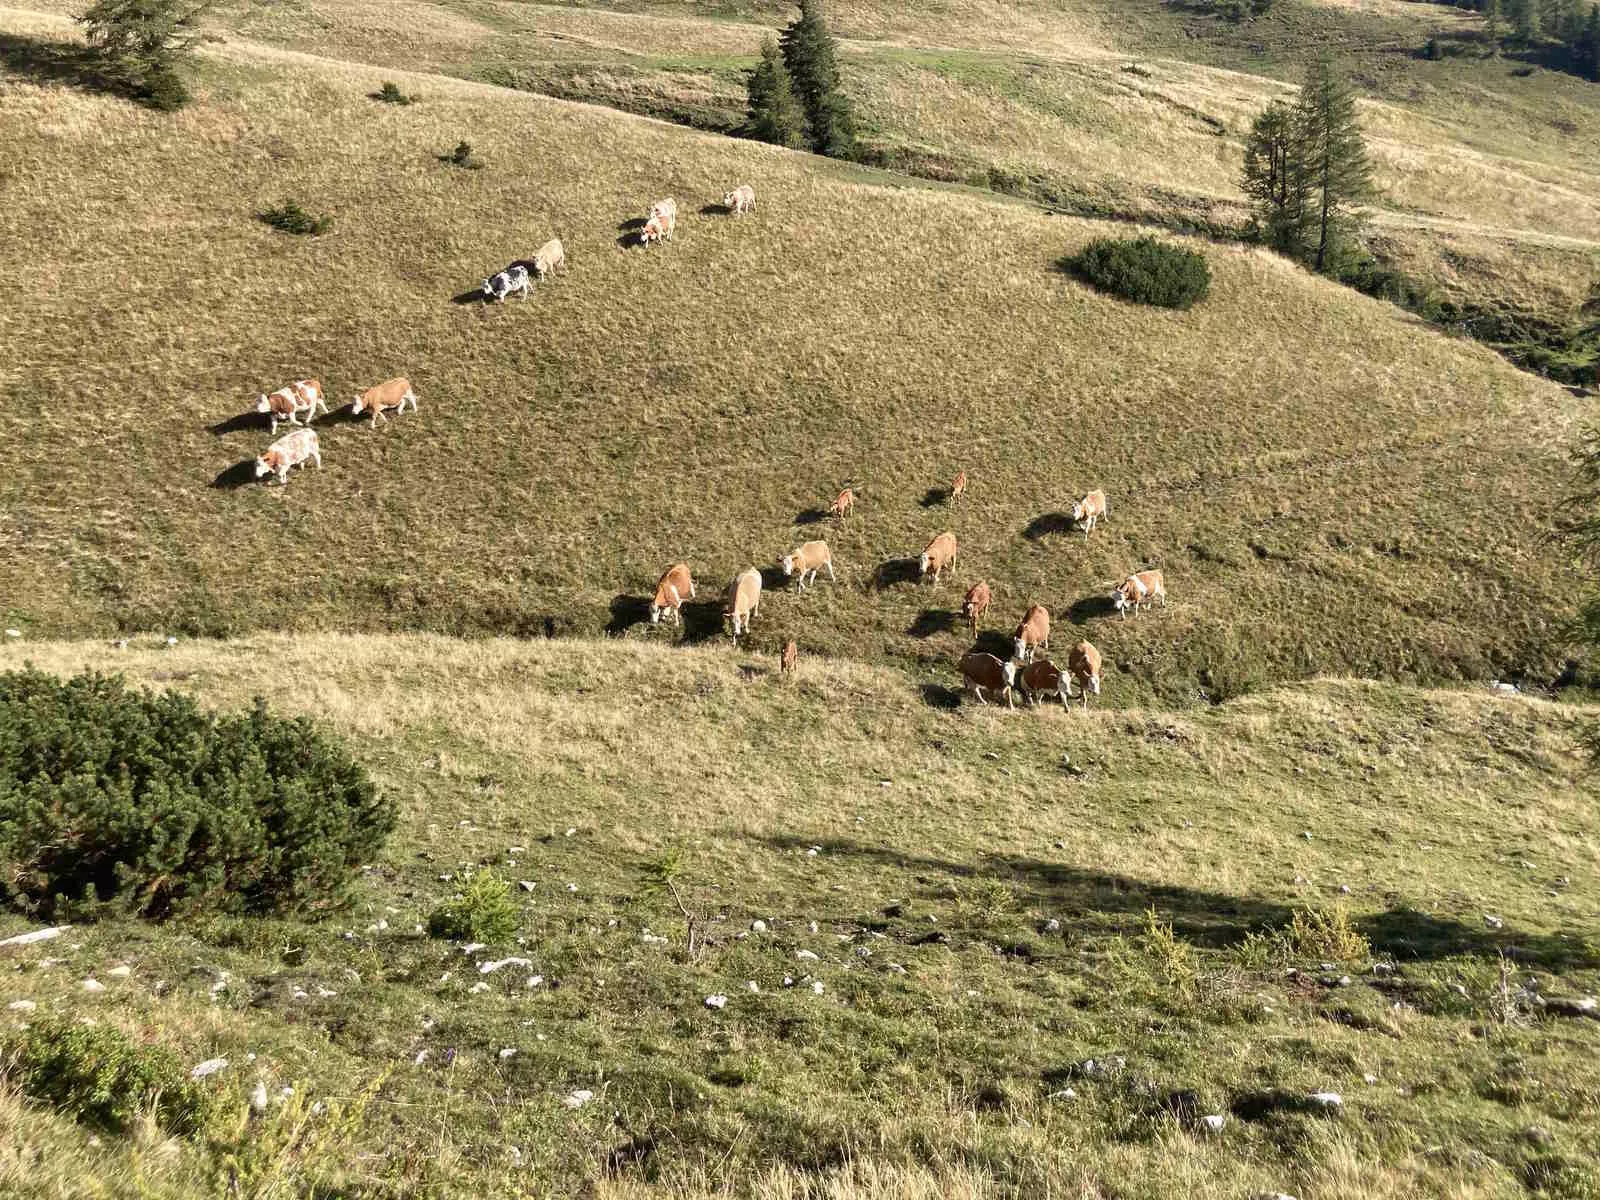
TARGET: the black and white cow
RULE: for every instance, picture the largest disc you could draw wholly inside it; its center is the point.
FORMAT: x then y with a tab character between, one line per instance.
512	279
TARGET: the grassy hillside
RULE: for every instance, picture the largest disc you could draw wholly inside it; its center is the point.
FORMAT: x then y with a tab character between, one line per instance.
1328	485
952	1015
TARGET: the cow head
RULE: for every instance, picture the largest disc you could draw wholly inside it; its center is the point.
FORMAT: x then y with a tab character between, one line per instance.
1077	511
1094	683
1019	650
1008	671
488	285
787	562
262	466
728	200
922	563
263	405
651	231
358	405
655	613
1119	599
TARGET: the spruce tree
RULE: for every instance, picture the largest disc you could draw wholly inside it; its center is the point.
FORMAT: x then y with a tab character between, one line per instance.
1586	53
812	59
1338	174
145	41
1524	19
1491	21
1275	178
775	115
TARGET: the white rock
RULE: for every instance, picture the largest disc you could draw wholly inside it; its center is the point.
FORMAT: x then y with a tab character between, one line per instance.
258	1097
508	1052
1344	889
13	633
808	955
1213	1123
578	1098
1327	1099
22	1006
895	967
572	887
38	935
817	987
516	849
812	927
758	926
210	1067
570	832
325	994
526	885
535	980
485	968
1052	926
422	1057
480	986
788	981
379	927
473	947
93	985
120	972
752	985
445	978
651	939
301	994
1493	922
516	1156
717	1001
1064	1094
1369	1079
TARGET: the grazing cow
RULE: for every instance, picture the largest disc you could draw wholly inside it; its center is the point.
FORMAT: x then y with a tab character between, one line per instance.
842	504
291	450
1043	678
741	200
939	554
981	671
744	600
302	396
976	604
1083	665
670	592
395	394
790	653
1089	510
501	285
959	486
1139	590
662	222
807	561
552	257
1032	633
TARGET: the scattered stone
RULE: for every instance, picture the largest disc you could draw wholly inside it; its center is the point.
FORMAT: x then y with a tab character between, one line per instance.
172	641
37	935
507	1052
380	926
1306	835
422	1057
863	952
93	985
535	980
578	1098
1052	926
1460	990
1369	1079
526	885
480	986
486	968
570	832
1344	889
120	972
1574	1006
301	994
210	1067
473	947
13	633
788	981
1064	1094
814	851
572	887
808	955
717	1001
895	967
1383	968
22	1006
1271	1196
651	939
1327	1099
812	927
1493	922
758	926
1537	1135
817	987
1213	1123
258	1097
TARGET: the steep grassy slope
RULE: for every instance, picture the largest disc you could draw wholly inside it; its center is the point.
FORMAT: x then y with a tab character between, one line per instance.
1328	486
951	1016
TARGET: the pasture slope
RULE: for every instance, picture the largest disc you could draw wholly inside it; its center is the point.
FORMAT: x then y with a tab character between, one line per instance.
952	1017
1329	486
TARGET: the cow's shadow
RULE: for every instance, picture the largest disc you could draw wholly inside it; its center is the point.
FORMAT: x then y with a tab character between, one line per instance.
241	474
931	621
993	641
241	422
628	612
937	695
702	621
1047	523
894	571
475	296
716	210
810	516
1087	608
774	580
936	496
632	224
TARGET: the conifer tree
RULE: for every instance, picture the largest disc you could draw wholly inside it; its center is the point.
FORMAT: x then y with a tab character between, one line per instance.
811	56
146	40
1586	51
775	115
1524	17
1275	178
1337	173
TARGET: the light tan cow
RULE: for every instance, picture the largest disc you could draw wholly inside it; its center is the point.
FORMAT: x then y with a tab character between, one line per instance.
291	450
1139	590
1032	633
552	257
803	564
842	504
662	222
790	653
1083	665
976	604
302	396
980	671
959	486
395	394
1043	678
744	600
1089	510
939	554
675	585
741	200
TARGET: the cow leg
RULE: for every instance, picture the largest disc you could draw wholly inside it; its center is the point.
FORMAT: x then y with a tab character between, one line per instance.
691	589
1011	699
317	454
831	577
977	690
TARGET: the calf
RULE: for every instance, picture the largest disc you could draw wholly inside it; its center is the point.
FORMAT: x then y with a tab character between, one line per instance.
395	394
808	560
552	257
842	504
501	285
1083	665
790	653
674	586
291	450
1032	633
1043	678
1090	509
662	222
959	486
939	554
1138	591
741	200
976	604
980	671
744	600
303	396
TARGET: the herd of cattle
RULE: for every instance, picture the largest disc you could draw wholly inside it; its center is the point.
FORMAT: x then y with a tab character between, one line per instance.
981	672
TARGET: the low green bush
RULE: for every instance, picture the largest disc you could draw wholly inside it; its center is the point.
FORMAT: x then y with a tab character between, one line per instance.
289	217
143	801
97	1075
483	911
390	93
1144	270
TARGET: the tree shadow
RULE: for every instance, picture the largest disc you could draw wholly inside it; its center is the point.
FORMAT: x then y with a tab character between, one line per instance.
894	571
241	422
1047	523
810	516
1405	933
935	496
1088	608
931	621
70	63
627	612
241	474
937	695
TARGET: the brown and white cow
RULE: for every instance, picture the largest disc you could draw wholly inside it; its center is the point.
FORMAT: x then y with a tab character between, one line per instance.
976	604
1032	633
982	672
1083	665
552	257
939	554
959	486
744	600
842	504
741	200
395	394
302	396
803	564
1139	590
675	586
291	450
662	222
1042	677
1089	510
790	653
